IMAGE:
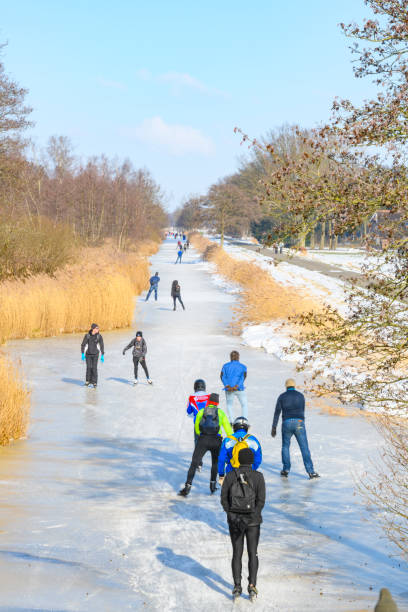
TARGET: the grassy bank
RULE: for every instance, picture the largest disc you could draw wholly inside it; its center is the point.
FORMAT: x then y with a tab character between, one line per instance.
100	288
263	299
14	403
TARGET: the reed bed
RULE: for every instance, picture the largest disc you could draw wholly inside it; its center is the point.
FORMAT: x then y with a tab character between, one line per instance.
263	299
101	288
14	402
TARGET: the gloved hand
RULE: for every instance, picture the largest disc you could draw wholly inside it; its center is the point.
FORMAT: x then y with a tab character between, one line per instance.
83	357
221	480
102	358
273	432
123	352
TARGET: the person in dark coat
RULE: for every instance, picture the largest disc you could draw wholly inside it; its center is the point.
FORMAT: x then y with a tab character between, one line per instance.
139	346
91	345
292	406
176	294
244	525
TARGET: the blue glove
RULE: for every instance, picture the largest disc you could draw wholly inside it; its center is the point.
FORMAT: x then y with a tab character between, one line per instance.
102	358
83	357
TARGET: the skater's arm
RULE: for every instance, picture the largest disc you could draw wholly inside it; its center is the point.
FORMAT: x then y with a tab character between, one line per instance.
278	410
198	421
131	343
260	493
222	459
257	457
224	492
101	345
84	343
144	348
224	422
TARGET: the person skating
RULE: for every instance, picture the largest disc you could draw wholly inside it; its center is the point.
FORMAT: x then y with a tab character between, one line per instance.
233	375
176	294
179	254
209	424
292	406
91	345
243	498
154	285
231	446
139	355
196	402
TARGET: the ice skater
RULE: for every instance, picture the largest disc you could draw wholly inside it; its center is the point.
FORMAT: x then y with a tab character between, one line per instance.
233	375
91	345
243	498
179	254
176	294
292	406
139	355
154	285
198	400
233	444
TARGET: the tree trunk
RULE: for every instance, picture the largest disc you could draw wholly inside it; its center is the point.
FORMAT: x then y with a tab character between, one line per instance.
312	239
322	235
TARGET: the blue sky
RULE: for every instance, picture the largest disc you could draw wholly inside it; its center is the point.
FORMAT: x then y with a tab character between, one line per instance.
165	82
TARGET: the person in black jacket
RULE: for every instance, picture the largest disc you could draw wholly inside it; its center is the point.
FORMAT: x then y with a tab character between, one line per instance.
292	406
91	343
139	355
244	525
176	294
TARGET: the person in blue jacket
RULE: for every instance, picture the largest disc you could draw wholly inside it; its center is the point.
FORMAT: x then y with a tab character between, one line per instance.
240	427
233	375
154	285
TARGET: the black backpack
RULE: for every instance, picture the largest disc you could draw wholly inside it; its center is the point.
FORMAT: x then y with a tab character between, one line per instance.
210	422
242	495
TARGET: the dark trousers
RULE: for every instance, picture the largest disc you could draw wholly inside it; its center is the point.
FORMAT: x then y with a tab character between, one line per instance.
177	297
196	438
237	540
205	443
92	369
142	361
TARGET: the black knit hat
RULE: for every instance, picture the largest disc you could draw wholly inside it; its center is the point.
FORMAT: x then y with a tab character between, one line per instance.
94	325
139	333
214	399
246	456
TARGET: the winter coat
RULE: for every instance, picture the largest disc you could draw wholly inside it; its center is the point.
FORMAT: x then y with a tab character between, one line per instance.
154	280
227	447
291	404
91	342
257	481
139	347
175	290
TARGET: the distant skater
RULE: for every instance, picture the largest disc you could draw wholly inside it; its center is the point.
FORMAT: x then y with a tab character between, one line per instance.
179	254
292	406
91	345
139	355
176	294
154	285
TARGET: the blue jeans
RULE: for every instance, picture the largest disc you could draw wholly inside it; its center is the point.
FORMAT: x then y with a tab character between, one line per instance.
297	428
152	288
242	398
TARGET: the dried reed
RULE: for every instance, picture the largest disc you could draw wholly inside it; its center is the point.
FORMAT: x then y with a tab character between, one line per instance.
14	403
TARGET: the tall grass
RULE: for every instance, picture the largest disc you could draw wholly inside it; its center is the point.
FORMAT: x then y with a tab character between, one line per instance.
101	289
14	403
263	298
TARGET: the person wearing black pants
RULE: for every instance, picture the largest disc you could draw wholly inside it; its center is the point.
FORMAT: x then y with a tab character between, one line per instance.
208	425
244	525
139	350
91	343
176	294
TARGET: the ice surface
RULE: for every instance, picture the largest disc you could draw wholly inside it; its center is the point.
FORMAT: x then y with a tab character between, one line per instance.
90	519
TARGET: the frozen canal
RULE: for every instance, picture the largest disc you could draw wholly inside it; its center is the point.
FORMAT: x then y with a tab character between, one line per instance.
90	519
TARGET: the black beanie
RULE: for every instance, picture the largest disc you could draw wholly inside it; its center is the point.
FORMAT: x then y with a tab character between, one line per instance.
94	326
214	399
246	456
139	333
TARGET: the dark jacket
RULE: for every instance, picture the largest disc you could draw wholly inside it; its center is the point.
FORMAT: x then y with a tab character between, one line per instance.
257	481
139	347
291	404
175	289
91	341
